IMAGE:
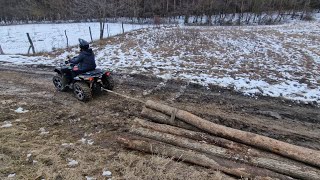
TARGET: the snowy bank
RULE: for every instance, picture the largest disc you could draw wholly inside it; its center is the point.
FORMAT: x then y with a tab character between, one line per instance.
47	37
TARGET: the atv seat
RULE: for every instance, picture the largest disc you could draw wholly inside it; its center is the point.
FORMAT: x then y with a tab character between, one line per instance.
93	73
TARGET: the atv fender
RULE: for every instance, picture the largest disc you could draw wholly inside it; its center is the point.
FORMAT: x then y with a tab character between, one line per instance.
58	71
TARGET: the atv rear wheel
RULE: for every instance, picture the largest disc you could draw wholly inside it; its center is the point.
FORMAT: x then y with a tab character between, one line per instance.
59	83
82	91
108	82
96	89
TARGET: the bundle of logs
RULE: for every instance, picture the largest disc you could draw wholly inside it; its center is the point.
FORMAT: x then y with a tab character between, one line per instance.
182	136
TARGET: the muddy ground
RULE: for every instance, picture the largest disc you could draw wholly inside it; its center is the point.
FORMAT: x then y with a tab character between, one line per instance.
58	128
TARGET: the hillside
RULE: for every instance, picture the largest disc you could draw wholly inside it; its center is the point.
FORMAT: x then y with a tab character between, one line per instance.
276	61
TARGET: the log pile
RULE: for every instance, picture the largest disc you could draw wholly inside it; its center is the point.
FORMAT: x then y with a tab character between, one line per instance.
182	136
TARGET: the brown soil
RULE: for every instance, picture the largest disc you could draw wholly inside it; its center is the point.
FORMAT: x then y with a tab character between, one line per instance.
68	121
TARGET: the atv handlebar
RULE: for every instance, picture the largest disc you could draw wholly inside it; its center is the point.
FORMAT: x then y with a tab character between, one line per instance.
68	60
67	63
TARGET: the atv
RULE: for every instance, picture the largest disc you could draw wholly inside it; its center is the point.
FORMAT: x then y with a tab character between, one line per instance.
83	85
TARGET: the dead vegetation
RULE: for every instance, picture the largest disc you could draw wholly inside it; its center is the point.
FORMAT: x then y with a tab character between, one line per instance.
139	166
57	129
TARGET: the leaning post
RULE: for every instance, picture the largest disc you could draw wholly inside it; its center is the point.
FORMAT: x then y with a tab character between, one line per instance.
1	51
31	45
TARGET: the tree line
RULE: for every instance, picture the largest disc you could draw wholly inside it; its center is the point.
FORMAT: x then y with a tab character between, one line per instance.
53	10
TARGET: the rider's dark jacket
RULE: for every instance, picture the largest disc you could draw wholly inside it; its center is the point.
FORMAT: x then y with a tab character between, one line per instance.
85	60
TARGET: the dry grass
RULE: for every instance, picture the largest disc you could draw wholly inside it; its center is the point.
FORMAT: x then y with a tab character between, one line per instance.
49	158
134	166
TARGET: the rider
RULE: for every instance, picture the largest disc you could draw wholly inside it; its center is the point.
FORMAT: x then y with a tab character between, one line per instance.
85	60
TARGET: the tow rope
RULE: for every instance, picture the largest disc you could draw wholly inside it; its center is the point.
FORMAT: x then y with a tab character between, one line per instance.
125	96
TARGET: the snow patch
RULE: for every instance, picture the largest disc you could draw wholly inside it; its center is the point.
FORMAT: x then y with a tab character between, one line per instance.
90	178
83	140
43	131
86	141
67	144
21	110
72	163
106	173
90	142
7	124
11	175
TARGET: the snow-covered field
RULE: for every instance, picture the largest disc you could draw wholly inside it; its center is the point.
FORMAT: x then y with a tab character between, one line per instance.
47	37
266	60
277	61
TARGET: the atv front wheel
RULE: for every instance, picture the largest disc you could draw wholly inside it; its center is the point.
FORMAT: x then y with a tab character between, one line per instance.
82	91
59	83
108	82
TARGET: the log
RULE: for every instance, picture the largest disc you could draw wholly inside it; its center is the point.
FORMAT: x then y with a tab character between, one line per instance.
159	117
195	135
154	147
302	172
253	157
245	150
178	127
308	156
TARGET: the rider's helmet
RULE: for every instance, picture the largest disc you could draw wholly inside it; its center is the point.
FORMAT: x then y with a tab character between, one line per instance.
83	44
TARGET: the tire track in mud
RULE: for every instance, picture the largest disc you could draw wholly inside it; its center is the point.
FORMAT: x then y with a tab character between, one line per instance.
299	124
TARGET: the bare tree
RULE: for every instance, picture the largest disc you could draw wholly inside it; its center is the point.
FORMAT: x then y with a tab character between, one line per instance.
222	10
100	9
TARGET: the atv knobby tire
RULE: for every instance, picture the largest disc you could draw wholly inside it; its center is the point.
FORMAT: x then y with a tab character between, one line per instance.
108	83
60	83
82	91
97	89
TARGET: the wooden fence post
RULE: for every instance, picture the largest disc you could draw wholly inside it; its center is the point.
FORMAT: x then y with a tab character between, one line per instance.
1	51
65	32
102	24
90	33
157	21
31	45
122	28
108	30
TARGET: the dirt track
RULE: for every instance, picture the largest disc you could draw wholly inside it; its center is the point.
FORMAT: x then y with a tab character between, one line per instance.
67	120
